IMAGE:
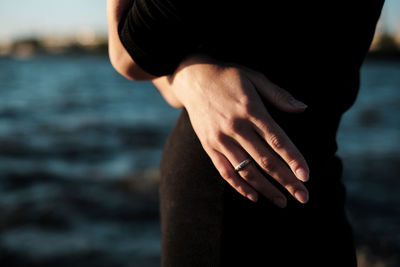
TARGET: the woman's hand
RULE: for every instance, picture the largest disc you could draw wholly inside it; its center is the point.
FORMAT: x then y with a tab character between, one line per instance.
225	109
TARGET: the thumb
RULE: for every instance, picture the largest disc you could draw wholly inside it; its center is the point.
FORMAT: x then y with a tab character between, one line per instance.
278	97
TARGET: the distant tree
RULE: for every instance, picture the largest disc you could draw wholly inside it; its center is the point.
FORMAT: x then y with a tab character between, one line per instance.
27	47
387	43
385	47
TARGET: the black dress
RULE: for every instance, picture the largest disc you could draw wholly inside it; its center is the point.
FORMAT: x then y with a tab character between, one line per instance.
315	51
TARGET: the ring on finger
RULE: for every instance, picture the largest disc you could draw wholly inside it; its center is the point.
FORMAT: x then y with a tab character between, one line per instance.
242	165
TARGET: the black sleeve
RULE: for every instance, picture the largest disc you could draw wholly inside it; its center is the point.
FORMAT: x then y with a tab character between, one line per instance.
158	34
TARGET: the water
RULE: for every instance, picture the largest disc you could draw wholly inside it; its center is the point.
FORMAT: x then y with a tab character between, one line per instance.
373	123
369	143
80	148
76	116
75	139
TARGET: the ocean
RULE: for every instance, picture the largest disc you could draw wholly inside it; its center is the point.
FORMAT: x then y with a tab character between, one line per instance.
80	148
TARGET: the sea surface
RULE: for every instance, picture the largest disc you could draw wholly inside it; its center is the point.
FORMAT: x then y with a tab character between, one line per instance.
80	148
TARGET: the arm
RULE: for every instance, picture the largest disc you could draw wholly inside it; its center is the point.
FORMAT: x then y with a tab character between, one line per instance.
225	108
119	57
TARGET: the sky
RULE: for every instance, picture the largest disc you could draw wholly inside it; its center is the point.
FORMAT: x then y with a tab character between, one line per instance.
21	18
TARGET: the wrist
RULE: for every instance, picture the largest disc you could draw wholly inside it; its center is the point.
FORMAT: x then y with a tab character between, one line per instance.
192	78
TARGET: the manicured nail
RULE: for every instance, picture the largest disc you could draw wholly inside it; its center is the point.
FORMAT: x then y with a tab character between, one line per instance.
302	174
253	197
301	196
279	201
297	104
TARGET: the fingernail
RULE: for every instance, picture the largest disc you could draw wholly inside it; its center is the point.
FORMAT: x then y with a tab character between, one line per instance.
253	197
297	104
301	196
302	174
279	201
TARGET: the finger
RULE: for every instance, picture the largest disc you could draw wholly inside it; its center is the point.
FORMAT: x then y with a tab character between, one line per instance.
252	175
277	139
228	173
273	165
275	95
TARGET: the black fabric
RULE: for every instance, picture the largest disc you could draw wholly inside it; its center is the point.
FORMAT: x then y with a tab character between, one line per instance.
313	49
159	34
206	223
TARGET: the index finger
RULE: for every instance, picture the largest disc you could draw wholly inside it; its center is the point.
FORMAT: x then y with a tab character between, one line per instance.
277	139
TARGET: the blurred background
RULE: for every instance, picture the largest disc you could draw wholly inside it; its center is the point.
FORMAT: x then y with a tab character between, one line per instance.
80	145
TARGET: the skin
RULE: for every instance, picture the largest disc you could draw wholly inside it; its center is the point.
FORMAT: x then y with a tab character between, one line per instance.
224	103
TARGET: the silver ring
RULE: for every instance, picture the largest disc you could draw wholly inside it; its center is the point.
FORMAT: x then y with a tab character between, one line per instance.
242	165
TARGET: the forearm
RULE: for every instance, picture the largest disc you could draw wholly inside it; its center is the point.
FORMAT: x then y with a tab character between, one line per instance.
119	57
165	88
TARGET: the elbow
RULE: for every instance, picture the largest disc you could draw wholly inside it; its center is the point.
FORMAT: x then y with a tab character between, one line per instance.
126	67
123	62
122	69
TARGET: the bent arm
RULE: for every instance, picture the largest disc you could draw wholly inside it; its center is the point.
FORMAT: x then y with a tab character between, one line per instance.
119	57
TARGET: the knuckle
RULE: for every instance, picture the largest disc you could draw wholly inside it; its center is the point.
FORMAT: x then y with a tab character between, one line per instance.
276	142
293	163
207	144
244	104
291	186
280	94
267	164
235	126
241	189
219	138
252	110
249	107
226	173
246	174
257	75
233	71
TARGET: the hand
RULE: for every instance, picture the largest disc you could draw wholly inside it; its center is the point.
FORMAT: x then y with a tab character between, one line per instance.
226	112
